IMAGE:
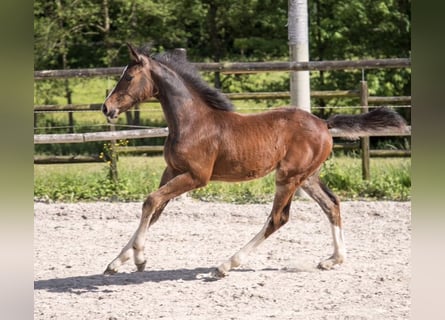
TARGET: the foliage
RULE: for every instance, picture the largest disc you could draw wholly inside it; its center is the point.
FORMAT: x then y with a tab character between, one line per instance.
390	179
83	182
139	176
341	29
255	191
110	150
82	33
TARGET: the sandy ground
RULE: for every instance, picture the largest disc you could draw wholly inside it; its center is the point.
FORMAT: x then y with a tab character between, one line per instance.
73	243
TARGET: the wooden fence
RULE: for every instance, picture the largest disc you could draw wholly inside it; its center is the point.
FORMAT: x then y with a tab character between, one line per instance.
236	67
241	67
150	133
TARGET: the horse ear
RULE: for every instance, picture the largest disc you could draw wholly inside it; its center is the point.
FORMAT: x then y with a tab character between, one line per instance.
134	54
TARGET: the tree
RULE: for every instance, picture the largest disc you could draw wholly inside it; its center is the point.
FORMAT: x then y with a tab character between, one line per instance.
353	29
84	33
61	27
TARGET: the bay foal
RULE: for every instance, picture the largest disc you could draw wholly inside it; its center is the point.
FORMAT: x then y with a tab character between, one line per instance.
207	141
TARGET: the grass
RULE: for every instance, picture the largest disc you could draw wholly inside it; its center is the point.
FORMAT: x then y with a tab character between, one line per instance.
138	176
390	178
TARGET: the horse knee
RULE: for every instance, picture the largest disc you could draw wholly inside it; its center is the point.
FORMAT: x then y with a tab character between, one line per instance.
332	208
276	223
334	217
326	199
280	219
150	205
284	218
200	181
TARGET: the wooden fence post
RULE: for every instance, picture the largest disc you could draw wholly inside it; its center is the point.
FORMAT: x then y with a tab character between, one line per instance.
137	115
113	154
70	113
35	121
364	140
113	158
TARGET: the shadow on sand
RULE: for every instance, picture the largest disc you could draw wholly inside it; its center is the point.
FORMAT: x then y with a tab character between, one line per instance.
91	283
102	283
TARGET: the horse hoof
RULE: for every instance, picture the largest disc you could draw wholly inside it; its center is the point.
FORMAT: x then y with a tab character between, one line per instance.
141	266
328	264
109	271
325	265
218	274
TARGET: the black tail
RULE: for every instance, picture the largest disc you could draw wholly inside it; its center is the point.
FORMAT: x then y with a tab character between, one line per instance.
373	122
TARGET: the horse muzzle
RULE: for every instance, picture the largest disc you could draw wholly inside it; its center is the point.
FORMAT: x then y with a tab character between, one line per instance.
109	113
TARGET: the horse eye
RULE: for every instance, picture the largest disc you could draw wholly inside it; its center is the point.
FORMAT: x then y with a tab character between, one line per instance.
128	77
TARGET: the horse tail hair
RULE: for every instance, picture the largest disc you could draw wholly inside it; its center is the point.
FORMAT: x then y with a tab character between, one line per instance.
373	122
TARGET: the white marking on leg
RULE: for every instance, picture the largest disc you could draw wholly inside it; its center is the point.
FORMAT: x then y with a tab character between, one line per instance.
134	247
139	239
241	255
339	255
339	244
123	256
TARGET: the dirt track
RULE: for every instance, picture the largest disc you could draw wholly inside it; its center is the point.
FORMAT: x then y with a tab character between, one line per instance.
73	243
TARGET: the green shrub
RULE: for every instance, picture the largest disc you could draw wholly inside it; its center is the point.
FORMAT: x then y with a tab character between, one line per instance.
390	178
138	176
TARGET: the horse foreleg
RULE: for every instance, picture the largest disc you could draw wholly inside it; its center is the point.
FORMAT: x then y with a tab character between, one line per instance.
277	218
171	186
331	206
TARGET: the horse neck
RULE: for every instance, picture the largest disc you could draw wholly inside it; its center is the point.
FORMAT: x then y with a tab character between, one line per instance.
177	100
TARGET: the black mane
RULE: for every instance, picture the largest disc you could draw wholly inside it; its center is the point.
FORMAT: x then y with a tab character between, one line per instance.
177	62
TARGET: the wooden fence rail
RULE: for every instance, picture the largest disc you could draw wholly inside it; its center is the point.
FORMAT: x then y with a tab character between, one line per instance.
236	96
100	136
241	67
232	96
223	67
150	133
67	159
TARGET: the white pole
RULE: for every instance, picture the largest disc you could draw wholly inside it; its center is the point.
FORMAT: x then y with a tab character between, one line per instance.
298	35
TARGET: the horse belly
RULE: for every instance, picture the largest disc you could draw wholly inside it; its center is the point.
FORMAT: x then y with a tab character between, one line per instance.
239	173
245	166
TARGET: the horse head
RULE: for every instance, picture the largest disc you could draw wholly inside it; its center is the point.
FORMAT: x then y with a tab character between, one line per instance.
134	86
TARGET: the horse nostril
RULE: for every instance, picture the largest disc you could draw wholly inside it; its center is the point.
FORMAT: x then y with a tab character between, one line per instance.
104	109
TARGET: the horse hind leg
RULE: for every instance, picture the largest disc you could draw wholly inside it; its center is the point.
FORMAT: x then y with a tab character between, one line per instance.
330	204
277	218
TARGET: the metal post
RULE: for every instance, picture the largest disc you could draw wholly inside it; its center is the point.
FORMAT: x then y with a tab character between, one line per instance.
298	35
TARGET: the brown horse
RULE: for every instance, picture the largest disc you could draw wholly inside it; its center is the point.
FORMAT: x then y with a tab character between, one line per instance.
208	141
